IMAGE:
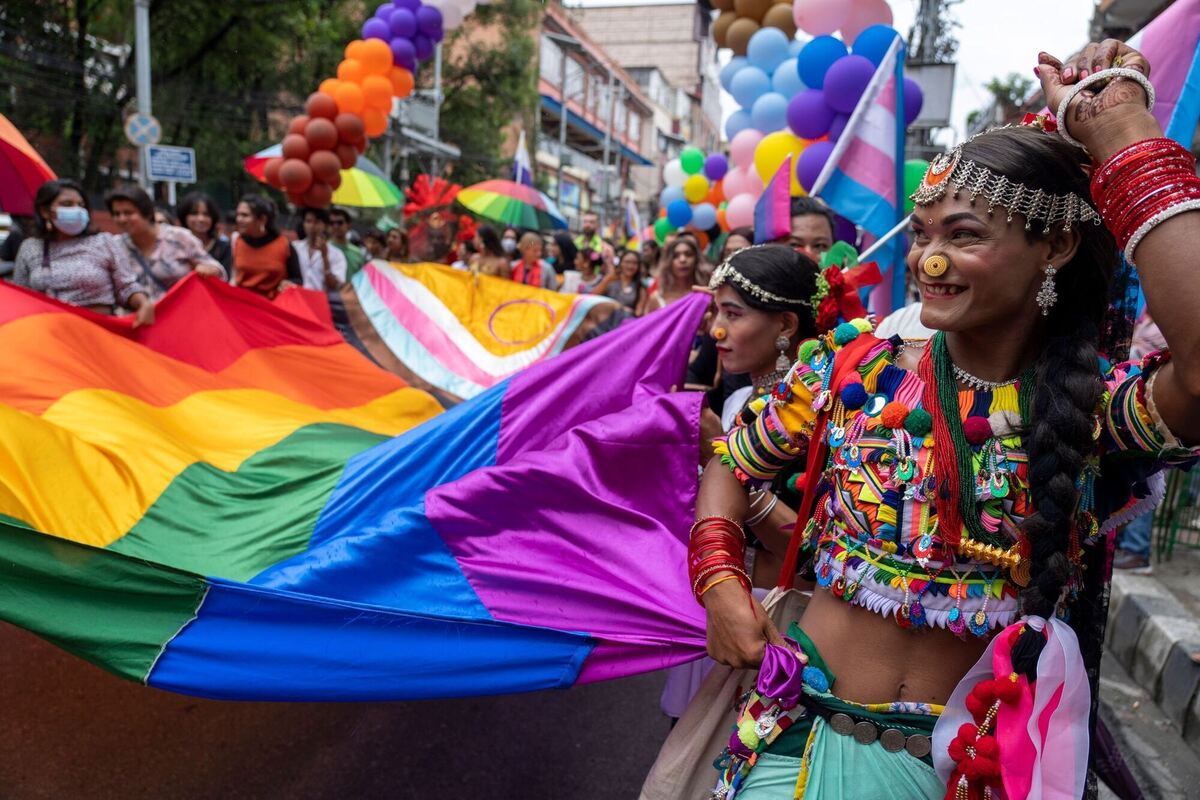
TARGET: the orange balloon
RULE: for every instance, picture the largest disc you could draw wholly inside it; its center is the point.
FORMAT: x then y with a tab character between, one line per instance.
329	86
354	49
716	195
376	57
701	237
724	223
351	70
350	98
402	82
378	91
662	212
374	121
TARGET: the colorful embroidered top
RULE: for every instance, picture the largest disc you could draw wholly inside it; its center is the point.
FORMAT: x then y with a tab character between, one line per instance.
873	532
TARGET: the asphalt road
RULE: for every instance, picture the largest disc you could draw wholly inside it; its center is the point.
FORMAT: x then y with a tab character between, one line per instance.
73	731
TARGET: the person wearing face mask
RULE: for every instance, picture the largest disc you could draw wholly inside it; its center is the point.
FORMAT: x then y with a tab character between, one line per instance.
72	263
509	241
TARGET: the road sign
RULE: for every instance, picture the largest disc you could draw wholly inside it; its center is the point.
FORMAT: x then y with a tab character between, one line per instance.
174	164
142	129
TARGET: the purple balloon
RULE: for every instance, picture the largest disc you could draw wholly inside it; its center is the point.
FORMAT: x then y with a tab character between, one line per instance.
838	126
384	12
429	20
811	162
715	167
844	230
914	98
845	82
403	23
423	46
809	116
403	54
411	5
375	28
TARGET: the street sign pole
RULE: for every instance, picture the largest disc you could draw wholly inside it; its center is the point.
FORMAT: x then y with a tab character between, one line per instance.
141	18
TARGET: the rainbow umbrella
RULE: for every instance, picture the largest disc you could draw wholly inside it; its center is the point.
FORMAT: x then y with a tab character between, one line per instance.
363	186
22	170
512	204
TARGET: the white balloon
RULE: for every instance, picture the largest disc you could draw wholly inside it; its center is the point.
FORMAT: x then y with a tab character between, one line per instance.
673	174
452	16
467	6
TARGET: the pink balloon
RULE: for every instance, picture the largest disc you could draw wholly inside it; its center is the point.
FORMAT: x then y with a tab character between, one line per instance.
819	17
739	213
741	149
862	14
742	180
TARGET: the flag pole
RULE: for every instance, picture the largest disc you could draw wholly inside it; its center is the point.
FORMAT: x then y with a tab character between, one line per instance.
882	240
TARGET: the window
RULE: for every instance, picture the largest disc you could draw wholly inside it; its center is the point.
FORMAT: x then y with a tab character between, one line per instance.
550	67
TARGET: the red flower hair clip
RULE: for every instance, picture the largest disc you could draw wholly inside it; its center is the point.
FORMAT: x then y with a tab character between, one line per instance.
1043	122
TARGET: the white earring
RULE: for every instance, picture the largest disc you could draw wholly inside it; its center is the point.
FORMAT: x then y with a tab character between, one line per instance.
1046	296
783	362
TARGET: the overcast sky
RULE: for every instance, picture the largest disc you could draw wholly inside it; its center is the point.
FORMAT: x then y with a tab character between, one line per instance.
996	37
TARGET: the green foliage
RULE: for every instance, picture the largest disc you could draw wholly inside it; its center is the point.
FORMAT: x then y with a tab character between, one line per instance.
1010	91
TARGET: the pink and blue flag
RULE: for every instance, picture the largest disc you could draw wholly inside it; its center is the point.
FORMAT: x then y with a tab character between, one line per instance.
1171	42
773	210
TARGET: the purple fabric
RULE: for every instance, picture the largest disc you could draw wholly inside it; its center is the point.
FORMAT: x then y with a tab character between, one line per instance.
781	675
1169	43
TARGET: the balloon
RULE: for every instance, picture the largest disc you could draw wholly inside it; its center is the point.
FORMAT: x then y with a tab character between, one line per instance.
351	70
752	9
873	43
679	213
402	82
271	171
402	24
384	11
771	152
838	126
452	16
423	46
716	195
669	195
811	162
695	189
819	16
704	216
748	85
349	127
411	5
720	28
318	195
786	79
779	17
325	165
375	122
354	49
914	98
743	180
377	91
768	48
375	28
429	20
844	230
816	58
673	174
298	124
691	159
794	47
741	147
737	37
320	104
740	212
296	146
321	134
350	98
729	70
723	5
662	227
376	57
769	112
845	82
808	115
295	175
715	167
403	54
347	155
329	87
914	171
862	14
721	221
738	121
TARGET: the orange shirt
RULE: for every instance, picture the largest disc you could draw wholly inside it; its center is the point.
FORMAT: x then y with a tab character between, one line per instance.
261	269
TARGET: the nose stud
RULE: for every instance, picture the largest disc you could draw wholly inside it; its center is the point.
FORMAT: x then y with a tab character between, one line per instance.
935	265
719	333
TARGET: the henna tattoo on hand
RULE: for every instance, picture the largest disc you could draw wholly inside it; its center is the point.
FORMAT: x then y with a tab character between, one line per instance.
1118	92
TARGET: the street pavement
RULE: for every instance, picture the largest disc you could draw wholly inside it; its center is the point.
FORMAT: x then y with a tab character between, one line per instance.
74	731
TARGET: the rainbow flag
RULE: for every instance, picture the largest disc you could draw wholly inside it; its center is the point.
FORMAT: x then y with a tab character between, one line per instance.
457	334
233	503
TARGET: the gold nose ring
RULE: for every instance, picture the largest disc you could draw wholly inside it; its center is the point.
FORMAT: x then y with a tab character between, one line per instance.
935	266
719	333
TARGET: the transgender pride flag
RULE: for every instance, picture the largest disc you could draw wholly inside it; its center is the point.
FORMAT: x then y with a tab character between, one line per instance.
1171	42
863	177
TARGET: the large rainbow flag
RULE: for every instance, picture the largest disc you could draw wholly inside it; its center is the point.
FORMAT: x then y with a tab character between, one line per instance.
233	503
456	333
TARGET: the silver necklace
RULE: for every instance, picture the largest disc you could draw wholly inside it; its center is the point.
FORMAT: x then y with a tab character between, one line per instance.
978	384
768	382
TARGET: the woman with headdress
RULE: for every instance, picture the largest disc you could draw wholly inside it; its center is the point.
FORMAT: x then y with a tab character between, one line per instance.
961	495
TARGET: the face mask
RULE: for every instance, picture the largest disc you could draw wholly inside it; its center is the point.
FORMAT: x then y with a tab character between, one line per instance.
508	245
71	220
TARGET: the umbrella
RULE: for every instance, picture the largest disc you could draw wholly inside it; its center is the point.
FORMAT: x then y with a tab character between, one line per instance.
363	186
22	170
513	204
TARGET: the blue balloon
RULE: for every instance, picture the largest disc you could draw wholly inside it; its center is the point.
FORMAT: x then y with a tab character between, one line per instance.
873	43
748	85
786	79
704	216
738	121
794	47
670	195
768	48
731	69
817	57
679	213
769	112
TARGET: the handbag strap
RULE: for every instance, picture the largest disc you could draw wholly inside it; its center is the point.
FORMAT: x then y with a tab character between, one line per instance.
145	267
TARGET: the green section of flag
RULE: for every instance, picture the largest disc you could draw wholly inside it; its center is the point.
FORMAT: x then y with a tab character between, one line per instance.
233	525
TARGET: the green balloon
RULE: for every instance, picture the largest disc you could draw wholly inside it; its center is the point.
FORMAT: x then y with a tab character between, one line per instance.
914	171
662	226
692	160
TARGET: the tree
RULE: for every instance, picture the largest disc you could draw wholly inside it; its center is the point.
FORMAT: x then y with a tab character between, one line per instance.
931	39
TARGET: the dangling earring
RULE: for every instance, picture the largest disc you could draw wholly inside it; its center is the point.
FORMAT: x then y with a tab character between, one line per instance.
1046	296
783	362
